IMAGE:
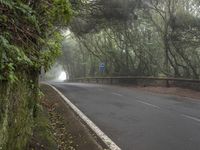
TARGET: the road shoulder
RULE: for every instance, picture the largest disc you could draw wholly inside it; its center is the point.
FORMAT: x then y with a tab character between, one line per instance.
69	132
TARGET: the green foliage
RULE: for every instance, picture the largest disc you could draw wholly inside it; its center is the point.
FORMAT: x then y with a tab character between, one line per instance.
29	35
7	3
61	7
51	51
159	38
29	39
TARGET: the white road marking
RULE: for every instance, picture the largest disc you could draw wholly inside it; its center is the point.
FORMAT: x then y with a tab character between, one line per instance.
190	117
117	94
148	104
111	145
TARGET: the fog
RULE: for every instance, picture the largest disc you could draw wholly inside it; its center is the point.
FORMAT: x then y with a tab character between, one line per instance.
57	74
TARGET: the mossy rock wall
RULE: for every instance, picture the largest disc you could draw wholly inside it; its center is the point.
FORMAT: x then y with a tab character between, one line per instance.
4	90
17	107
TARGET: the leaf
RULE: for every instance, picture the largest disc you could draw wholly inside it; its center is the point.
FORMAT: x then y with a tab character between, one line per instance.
7	3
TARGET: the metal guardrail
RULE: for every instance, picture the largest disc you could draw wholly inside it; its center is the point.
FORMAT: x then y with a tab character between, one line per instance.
137	77
144	81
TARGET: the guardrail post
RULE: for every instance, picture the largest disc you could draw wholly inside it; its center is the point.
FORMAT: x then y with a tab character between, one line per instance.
167	83
111	81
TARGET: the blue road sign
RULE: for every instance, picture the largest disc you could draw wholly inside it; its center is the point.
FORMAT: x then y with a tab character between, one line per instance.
102	67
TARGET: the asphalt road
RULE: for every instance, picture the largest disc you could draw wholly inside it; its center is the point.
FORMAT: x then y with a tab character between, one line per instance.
138	120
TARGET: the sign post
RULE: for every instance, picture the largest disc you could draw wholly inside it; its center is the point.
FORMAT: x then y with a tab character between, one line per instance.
102	67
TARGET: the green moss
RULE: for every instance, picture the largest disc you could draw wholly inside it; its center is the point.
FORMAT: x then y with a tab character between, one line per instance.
17	106
4	114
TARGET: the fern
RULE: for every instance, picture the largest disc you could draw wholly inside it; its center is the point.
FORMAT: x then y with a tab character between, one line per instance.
3	41
7	3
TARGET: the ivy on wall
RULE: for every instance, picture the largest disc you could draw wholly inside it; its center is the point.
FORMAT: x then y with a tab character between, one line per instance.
29	39
29	34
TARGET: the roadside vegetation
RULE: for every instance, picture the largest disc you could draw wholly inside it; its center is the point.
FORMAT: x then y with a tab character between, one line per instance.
131	37
29	39
135	38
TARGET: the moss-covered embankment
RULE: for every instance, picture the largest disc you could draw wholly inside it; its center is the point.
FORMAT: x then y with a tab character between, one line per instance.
17	110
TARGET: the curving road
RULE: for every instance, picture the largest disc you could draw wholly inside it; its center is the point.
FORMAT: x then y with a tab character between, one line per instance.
138	120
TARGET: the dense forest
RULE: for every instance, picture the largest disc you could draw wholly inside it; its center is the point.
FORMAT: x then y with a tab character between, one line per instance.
29	39
134	38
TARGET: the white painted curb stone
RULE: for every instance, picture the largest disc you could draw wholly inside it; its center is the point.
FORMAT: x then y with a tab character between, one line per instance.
111	145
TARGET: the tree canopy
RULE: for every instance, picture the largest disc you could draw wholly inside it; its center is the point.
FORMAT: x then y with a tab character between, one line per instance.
132	37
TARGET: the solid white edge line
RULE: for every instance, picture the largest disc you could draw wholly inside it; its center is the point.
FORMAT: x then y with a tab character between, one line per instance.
190	117
93	127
